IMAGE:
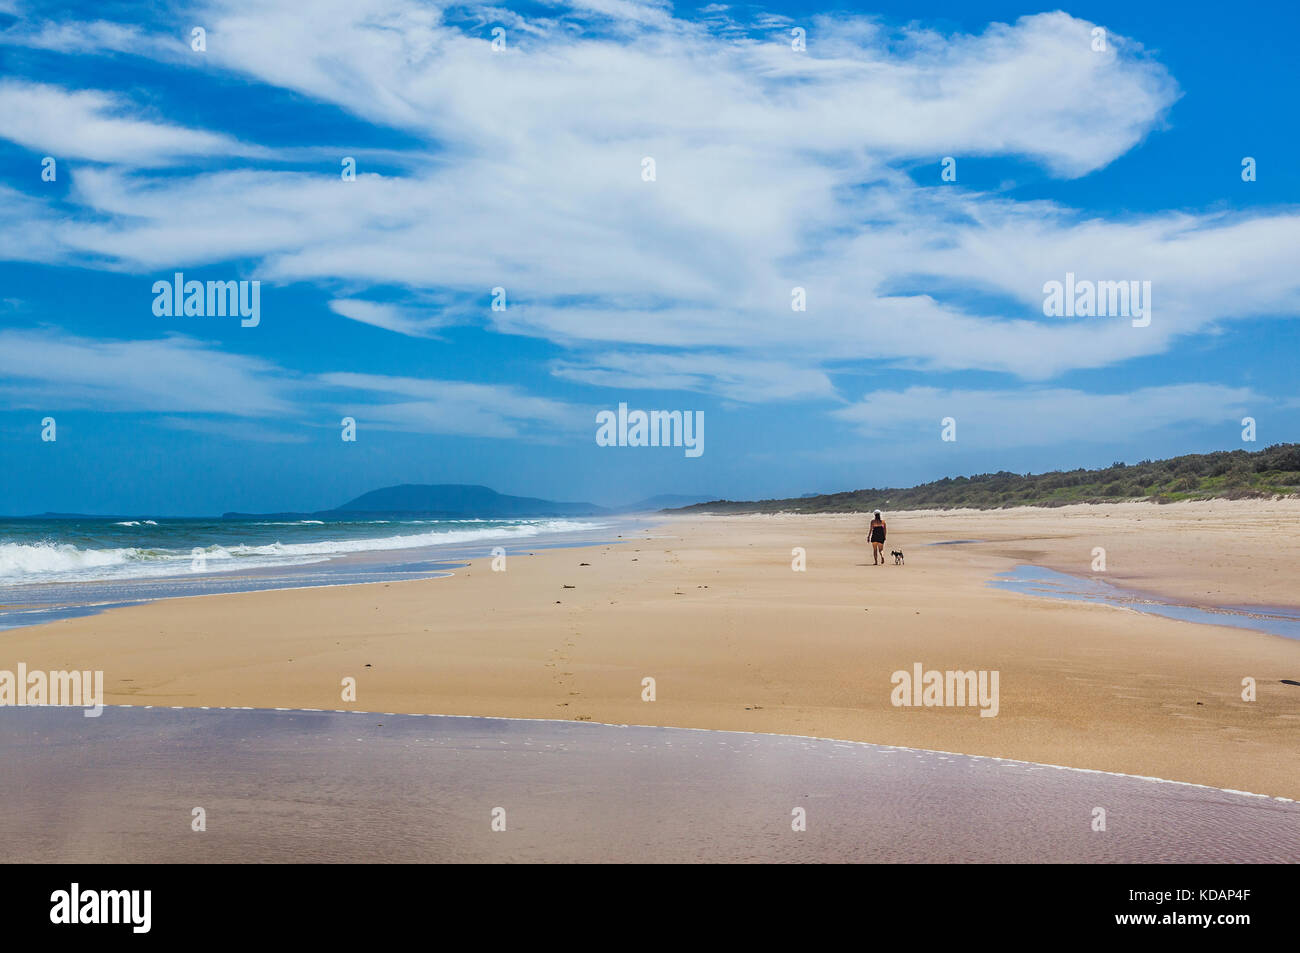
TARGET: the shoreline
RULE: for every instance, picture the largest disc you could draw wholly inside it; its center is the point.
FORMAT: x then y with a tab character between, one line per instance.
62	599
738	642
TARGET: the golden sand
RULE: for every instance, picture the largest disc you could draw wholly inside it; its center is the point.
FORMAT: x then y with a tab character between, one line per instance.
710	608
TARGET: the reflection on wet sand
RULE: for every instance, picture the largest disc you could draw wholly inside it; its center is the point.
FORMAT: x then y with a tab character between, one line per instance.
1040	581
277	786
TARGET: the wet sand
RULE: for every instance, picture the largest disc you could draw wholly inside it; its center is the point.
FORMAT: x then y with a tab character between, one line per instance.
1038	580
350	787
736	640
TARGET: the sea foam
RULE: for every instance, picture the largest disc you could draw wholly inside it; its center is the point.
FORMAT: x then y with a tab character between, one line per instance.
47	561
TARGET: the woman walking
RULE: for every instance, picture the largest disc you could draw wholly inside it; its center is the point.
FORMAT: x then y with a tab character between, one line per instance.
877	540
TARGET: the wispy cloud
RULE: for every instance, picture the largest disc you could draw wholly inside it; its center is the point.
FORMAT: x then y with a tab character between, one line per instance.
737	378
90	124
50	370
455	407
90	36
1045	417
762	184
413	322
775	170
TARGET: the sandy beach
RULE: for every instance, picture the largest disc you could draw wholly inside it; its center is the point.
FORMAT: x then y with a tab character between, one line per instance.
710	608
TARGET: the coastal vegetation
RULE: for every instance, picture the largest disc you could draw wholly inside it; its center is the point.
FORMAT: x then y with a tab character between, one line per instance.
1230	474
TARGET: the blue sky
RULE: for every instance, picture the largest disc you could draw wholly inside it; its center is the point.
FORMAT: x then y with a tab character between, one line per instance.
522	168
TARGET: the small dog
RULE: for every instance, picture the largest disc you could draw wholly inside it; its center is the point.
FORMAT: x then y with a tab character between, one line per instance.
898	556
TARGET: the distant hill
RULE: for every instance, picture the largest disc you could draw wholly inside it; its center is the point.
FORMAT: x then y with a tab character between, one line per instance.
457	499
442	501
462	500
1231	474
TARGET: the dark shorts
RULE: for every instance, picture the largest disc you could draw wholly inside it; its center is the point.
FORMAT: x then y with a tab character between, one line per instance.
877	535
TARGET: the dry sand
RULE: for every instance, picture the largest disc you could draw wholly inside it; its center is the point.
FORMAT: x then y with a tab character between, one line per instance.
711	609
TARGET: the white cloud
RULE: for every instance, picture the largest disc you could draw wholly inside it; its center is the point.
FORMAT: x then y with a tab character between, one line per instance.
90	124
775	169
999	419
737	378
1011	89
409	321
455	407
48	370
96	36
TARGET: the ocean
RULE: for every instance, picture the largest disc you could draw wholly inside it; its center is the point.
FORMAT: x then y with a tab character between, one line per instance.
62	567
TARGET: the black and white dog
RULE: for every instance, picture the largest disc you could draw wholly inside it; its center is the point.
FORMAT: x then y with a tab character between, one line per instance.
898	556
